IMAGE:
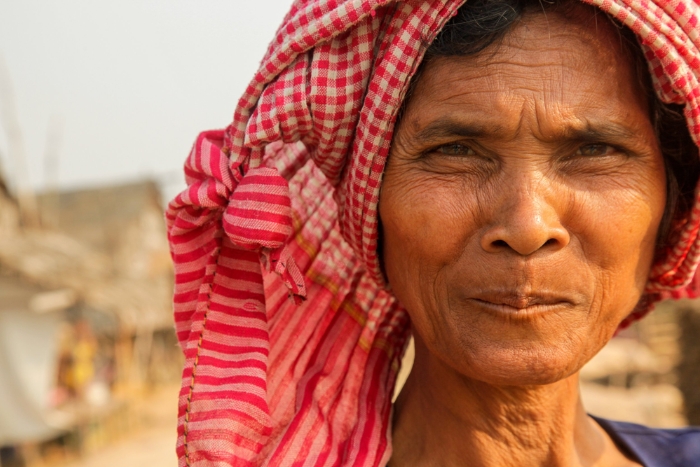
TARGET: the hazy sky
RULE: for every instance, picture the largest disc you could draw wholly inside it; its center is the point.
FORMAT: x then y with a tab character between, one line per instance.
128	84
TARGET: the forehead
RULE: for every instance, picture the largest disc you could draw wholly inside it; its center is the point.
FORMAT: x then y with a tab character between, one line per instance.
551	66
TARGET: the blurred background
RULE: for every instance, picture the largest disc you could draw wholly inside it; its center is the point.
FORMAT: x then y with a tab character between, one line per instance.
99	105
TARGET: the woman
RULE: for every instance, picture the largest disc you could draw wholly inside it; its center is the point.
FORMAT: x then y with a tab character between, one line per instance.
537	197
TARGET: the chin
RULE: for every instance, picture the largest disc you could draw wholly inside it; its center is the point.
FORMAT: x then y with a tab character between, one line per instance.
531	372
522	363
531	349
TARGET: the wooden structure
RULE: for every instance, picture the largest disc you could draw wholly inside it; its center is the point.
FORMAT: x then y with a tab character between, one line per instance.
100	265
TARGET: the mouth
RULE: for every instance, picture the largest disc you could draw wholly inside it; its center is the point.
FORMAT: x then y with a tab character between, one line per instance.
518	304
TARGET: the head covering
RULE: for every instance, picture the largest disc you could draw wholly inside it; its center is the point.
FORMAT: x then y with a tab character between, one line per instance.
283	203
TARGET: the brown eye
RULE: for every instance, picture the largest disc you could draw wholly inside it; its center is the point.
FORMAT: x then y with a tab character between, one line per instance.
455	149
597	149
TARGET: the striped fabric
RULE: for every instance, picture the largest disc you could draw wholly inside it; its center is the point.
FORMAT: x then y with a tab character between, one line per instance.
283	203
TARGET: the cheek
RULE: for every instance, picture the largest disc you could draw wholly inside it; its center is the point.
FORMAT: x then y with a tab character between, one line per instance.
617	229
425	222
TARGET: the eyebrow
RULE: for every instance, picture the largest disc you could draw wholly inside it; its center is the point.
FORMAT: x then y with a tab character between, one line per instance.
600	132
590	132
445	128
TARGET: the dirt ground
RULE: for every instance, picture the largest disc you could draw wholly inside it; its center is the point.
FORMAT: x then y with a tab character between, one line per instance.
150	444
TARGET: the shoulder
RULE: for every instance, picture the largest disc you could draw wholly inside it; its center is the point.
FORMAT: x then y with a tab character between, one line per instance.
654	447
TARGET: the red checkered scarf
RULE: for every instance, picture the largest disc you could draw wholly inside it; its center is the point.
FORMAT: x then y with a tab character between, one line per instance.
284	203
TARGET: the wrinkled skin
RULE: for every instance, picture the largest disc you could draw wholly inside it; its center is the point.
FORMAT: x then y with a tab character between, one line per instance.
520	207
476	228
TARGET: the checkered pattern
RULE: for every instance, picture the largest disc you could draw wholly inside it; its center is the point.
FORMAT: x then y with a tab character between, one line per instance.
284	203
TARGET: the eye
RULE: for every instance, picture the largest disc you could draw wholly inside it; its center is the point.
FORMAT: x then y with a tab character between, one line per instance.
595	149
455	149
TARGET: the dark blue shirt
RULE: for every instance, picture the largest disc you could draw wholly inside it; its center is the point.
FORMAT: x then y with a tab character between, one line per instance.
653	447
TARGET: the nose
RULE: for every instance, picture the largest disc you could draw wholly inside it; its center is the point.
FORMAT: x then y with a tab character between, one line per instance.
526	220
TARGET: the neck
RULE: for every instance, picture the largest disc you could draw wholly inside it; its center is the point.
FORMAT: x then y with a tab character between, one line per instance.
444	418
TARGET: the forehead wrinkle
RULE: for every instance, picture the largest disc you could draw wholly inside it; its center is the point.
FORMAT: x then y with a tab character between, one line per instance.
496	89
556	76
515	49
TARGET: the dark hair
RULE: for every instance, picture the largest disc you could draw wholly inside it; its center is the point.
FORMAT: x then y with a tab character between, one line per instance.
480	24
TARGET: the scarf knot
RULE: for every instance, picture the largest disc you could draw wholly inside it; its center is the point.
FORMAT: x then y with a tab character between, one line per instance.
253	208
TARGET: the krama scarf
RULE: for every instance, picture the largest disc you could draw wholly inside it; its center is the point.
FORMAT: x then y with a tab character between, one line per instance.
283	204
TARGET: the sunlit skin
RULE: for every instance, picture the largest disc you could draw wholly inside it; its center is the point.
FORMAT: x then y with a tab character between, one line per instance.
520	207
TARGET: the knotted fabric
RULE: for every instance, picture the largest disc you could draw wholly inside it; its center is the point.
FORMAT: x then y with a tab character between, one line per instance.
283	203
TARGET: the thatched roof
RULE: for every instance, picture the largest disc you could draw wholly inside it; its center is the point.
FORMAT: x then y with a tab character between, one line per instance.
131	279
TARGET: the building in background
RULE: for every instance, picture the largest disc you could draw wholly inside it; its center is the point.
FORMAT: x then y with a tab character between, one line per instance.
30	321
85	312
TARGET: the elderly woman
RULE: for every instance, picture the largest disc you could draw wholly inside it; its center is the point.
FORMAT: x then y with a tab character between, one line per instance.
499	179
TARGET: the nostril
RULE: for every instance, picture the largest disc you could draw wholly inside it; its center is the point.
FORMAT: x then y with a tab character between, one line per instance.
500	244
524	237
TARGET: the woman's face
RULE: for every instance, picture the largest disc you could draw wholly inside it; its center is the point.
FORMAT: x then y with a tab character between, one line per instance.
521	201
